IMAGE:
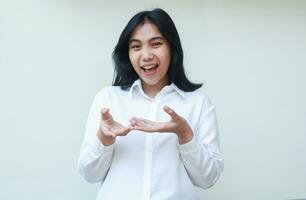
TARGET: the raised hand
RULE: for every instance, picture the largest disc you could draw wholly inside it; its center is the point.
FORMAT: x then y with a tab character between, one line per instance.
109	129
177	125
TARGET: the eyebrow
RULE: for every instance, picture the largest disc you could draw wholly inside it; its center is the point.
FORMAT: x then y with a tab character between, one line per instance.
151	39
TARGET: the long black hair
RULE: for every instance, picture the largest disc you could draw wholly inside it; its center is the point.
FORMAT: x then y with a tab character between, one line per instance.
125	74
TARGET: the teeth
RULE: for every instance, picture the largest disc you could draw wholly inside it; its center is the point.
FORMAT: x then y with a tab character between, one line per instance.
149	66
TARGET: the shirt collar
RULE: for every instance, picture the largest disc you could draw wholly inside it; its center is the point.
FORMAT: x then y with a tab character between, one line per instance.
178	90
172	86
136	85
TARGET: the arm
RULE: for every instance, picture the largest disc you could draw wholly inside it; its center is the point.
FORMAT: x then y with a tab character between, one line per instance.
198	148
200	155
95	158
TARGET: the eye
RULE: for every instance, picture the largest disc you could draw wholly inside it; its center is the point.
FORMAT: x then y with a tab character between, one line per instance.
135	46
156	44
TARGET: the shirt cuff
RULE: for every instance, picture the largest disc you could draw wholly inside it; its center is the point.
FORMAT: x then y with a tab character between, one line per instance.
98	148
192	146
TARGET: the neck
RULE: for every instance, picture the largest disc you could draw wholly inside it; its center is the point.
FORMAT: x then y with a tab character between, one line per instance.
152	90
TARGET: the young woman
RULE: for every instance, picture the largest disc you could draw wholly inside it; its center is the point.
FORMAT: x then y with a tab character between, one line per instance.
152	135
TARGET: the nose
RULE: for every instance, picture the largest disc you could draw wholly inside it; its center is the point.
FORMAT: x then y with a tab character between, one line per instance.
147	55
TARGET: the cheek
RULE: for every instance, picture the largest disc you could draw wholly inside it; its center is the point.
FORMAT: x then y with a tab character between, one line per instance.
165	57
133	59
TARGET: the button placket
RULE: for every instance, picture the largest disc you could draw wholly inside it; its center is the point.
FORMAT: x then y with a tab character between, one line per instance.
149	149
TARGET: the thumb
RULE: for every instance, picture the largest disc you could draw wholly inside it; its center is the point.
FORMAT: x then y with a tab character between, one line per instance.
171	112
105	115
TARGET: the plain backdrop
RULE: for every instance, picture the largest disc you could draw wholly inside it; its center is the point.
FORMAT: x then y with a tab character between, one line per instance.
55	55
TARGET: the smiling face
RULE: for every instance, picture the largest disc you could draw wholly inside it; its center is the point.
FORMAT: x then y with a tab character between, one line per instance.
149	53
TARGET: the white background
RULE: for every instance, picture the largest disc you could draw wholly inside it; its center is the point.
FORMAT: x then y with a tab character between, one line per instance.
55	55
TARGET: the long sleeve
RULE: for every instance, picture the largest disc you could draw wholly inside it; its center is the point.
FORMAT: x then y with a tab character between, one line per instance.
201	156
95	158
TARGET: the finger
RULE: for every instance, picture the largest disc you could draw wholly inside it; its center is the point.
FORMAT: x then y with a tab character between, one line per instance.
132	123
143	123
171	112
105	115
138	119
139	128
142	126
123	131
130	127
110	133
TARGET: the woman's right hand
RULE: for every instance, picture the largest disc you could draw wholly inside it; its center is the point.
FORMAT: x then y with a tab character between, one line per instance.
110	129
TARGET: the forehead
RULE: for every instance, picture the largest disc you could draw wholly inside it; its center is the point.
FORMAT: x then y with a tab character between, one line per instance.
146	31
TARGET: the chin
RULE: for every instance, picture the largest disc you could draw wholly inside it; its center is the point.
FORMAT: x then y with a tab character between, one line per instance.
150	82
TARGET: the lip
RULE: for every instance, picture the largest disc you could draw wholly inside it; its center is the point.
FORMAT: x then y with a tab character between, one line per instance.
152	69
147	66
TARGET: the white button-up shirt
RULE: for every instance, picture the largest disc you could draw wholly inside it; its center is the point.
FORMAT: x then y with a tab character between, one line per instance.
152	166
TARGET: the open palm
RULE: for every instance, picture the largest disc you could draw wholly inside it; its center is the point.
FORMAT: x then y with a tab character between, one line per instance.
149	126
176	125
110	127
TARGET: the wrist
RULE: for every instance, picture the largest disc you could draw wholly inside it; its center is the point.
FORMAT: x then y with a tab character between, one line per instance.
185	136
105	140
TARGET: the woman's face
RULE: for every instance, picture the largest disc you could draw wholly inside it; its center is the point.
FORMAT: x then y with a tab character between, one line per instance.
149	53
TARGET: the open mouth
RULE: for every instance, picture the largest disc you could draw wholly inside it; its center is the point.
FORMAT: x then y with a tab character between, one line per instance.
149	69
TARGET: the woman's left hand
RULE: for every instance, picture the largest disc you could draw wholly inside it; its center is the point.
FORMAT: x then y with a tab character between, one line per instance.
177	125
